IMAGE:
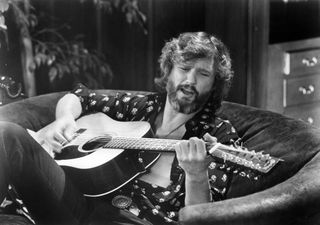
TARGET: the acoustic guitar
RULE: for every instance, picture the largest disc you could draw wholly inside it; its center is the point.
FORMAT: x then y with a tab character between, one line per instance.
104	154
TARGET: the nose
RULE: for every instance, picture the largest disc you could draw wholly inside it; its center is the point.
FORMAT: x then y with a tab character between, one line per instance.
191	77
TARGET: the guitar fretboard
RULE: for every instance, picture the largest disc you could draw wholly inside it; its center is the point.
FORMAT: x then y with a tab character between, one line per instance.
250	159
153	144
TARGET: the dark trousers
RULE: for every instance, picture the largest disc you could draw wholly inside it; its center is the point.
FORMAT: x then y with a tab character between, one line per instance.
44	187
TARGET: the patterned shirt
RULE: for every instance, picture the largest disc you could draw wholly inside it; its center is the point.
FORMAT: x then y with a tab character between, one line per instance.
148	201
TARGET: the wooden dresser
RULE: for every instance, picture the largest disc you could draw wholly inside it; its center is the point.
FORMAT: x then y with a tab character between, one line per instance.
275	47
293	79
284	58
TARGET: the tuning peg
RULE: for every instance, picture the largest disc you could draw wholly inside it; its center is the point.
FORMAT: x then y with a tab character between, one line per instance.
253	152
248	163
266	157
260	154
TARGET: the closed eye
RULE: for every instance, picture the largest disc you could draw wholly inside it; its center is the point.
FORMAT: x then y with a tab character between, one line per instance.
184	68
205	74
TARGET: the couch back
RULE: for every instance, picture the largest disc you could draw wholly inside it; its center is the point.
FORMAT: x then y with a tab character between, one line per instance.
292	140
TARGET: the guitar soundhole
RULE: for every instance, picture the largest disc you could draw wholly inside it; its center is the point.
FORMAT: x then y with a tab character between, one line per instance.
95	143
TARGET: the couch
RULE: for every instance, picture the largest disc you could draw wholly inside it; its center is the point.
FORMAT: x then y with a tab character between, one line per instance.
289	194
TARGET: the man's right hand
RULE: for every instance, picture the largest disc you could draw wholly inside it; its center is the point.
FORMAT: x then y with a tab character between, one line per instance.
58	133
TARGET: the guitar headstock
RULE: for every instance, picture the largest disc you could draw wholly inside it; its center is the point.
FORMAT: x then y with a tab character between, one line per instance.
242	157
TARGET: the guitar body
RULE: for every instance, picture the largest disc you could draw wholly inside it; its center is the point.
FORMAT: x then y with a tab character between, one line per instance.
103	171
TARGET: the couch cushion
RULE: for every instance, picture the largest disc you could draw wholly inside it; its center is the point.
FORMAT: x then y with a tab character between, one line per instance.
294	141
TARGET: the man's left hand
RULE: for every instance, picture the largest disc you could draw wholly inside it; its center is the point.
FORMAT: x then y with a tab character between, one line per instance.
192	155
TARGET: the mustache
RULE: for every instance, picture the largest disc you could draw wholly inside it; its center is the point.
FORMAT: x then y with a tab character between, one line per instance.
188	87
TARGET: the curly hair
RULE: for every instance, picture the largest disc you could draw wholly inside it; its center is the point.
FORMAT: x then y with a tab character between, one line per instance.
190	46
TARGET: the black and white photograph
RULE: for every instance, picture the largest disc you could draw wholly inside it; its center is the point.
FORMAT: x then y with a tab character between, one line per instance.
155	112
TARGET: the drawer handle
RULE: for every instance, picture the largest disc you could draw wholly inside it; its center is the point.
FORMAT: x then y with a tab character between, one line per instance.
307	91
310	62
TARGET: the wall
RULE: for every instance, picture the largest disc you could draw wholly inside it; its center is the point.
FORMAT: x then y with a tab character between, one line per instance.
133	55
166	19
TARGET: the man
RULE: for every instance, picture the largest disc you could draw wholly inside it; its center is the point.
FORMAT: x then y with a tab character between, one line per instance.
196	75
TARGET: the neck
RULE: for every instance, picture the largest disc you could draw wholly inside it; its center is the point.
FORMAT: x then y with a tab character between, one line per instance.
170	118
170	114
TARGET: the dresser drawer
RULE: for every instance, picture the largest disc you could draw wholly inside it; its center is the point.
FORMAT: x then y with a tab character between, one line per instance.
301	90
307	113
302	62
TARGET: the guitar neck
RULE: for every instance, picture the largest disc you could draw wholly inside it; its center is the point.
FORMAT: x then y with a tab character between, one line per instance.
238	155
149	144
157	145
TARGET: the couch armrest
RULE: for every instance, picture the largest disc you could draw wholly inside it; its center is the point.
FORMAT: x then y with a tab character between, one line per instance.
294	201
32	113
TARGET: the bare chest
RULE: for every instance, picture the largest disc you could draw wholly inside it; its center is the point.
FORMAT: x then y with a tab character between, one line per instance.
160	171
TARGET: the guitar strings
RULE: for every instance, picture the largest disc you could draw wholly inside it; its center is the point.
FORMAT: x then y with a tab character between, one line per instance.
221	151
158	141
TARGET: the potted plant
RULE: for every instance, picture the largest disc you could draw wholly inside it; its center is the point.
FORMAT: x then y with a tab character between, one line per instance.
60	58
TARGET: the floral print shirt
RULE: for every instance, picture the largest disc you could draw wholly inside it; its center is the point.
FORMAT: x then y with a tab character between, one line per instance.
148	201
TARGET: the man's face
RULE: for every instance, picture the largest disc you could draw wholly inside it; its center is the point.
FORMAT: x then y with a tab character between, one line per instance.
189	85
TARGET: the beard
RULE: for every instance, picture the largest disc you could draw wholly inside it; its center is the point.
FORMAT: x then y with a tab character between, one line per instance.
186	105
